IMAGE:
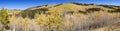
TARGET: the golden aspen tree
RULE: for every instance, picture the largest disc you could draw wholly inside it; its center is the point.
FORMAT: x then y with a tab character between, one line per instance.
0	25
40	19
53	21
27	24
97	15
13	21
4	20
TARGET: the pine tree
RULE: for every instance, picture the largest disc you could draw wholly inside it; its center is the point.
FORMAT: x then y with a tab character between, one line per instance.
4	16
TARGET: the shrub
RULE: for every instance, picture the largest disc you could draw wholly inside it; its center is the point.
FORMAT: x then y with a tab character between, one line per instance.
93	9
31	13
115	11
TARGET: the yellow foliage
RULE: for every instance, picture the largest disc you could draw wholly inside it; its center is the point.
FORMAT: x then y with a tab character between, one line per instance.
27	24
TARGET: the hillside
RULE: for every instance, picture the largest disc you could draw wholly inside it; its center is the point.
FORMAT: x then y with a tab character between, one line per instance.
65	17
85	16
76	8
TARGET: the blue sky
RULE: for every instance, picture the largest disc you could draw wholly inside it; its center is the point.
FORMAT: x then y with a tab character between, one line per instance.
24	4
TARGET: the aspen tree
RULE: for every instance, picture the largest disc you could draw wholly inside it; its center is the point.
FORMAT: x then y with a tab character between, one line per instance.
4	20
27	24
54	20
13	21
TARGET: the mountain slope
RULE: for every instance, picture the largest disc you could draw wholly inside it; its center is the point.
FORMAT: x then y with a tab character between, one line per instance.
75	6
82	16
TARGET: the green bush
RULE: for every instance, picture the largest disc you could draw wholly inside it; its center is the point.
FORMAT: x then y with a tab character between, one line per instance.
31	13
93	9
114	11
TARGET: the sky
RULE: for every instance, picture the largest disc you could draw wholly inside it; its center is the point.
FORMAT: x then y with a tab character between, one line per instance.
24	4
